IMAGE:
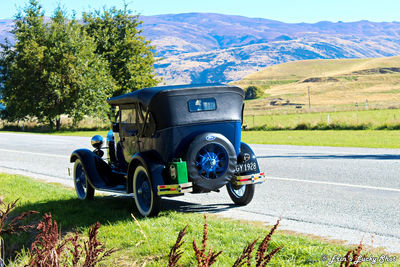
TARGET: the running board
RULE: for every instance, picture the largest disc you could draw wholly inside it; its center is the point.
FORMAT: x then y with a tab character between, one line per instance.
121	189
256	178
174	189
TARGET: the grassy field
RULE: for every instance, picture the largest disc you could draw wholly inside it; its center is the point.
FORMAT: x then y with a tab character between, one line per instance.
365	138
120	231
333	83
371	119
302	69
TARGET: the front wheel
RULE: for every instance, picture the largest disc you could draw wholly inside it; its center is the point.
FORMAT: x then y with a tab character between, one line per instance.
242	194
147	202
83	188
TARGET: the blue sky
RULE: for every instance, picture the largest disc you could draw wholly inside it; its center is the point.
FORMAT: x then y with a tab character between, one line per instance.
282	10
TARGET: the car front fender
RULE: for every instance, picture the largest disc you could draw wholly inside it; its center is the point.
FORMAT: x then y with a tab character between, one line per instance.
97	171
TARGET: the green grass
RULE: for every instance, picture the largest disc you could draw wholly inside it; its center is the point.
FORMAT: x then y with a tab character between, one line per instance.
365	138
373	119
120	231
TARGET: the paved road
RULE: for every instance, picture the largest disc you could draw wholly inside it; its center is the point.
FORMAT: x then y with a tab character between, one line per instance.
341	193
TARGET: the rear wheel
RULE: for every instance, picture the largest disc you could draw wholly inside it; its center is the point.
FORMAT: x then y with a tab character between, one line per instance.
241	194
147	202
83	188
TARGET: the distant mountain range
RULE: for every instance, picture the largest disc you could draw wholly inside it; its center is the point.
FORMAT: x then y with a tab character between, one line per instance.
204	47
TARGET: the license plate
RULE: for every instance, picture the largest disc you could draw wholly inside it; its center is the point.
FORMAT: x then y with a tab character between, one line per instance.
246	167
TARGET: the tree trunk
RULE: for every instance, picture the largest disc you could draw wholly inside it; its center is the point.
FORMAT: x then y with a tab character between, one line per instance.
58	124
51	124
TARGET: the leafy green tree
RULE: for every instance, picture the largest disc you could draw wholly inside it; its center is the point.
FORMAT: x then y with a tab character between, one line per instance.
21	65
53	69
129	55
253	92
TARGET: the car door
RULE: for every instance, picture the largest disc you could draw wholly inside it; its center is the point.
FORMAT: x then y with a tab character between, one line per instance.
129	129
142	122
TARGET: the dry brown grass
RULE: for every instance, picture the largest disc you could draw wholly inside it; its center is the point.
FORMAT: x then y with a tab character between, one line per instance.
262	257
320	68
50	249
351	259
204	258
176	253
11	226
383	89
336	83
33	125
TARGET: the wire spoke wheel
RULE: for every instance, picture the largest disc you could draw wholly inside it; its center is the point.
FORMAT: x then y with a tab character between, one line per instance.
143	191
83	189
147	202
240	194
238	191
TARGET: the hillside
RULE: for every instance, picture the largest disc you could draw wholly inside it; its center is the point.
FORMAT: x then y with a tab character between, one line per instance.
204	47
332	83
200	47
5	28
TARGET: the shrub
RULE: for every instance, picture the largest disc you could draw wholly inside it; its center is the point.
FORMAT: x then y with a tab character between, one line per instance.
207	258
50	250
253	92
11	226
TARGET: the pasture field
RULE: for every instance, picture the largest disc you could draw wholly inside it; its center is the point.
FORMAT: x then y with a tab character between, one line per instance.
343	138
329	84
358	119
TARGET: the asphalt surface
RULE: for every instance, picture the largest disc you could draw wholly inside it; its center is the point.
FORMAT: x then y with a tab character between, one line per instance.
340	193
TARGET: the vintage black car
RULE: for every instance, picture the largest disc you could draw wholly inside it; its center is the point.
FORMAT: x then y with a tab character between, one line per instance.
171	140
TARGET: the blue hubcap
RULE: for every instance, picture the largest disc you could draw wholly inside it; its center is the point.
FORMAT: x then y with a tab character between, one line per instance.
212	161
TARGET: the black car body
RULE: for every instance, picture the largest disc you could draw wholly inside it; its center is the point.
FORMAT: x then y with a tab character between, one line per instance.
170	140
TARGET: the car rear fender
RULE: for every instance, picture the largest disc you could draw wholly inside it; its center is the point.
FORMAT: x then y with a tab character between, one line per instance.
152	163
245	149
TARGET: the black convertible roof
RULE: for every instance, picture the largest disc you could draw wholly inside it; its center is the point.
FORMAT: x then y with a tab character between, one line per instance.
147	94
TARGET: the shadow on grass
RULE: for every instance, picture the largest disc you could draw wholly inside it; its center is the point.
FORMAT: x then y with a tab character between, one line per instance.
71	214
74	214
183	206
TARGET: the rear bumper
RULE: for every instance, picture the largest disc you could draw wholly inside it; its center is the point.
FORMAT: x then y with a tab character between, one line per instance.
256	178
174	189
178	189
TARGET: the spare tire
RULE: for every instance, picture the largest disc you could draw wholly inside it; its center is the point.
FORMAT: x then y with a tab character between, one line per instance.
211	160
